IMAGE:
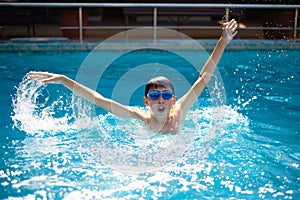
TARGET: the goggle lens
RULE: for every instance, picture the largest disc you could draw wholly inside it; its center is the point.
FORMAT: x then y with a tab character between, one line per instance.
155	94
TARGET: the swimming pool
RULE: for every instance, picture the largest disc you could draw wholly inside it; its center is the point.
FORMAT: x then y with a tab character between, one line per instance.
253	153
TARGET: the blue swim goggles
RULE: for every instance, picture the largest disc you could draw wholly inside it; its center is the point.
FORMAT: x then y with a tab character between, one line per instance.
155	94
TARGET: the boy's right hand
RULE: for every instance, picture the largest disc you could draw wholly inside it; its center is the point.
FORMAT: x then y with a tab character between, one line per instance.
45	77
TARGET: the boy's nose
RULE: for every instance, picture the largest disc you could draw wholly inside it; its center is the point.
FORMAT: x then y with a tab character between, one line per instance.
160	100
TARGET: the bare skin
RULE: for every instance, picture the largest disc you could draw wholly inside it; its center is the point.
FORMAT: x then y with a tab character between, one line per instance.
165	116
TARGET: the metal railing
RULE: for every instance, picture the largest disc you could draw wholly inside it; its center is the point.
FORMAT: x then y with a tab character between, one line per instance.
155	6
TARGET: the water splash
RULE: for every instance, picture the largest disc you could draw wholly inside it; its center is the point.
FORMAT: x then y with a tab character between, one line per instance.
121	144
35	111
90	155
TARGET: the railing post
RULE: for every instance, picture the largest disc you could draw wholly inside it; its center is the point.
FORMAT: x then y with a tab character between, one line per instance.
154	22
80	24
227	15
295	24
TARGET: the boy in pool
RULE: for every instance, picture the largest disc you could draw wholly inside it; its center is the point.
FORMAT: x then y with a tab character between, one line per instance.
166	114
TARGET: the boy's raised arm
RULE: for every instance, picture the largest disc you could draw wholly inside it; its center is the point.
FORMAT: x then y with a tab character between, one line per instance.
228	33
89	94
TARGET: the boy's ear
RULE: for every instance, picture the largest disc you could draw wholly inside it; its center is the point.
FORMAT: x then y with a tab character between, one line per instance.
174	99
146	101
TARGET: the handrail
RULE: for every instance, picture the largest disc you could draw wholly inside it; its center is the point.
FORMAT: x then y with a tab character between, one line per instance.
152	5
160	5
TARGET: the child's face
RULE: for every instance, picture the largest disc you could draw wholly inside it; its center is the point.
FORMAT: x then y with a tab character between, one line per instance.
161	106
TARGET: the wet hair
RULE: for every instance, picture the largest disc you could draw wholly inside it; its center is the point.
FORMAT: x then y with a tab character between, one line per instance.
157	82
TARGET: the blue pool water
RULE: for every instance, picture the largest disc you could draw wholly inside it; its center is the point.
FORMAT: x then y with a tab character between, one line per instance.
251	151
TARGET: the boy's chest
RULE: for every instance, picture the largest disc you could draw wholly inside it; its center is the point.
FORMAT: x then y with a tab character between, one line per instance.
171	125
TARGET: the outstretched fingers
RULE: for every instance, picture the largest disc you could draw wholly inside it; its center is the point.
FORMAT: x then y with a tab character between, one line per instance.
232	26
43	77
230	30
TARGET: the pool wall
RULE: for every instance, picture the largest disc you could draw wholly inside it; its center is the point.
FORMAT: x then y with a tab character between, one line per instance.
39	45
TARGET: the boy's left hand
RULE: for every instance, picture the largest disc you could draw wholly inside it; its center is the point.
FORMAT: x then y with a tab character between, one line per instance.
229	30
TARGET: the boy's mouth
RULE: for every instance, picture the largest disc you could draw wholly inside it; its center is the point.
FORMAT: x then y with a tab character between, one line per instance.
161	109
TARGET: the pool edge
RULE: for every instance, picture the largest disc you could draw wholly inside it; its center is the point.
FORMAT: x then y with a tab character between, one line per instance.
238	44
